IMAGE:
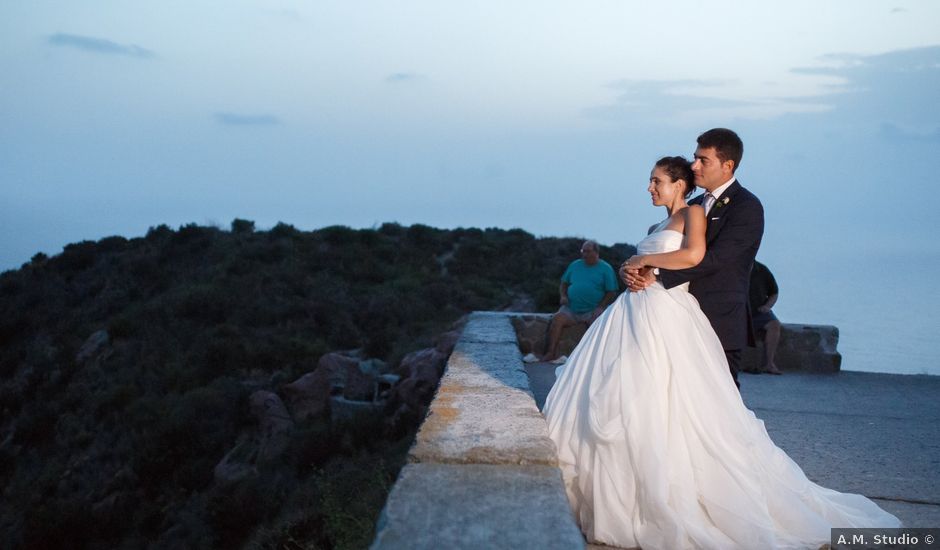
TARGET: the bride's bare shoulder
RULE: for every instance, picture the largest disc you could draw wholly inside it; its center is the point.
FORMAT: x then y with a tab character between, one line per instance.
695	210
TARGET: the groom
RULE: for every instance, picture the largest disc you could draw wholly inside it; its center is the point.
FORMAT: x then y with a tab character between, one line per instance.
735	219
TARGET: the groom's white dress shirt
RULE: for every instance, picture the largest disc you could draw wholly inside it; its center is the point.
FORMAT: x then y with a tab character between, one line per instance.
715	195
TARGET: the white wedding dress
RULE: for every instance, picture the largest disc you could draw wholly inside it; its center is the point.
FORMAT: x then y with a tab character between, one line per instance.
657	449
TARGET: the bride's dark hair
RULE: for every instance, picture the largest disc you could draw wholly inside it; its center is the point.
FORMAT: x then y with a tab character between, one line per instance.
678	169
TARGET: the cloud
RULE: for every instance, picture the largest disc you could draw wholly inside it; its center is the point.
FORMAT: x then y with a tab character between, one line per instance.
682	101
833	64
895	88
855	66
898	86
898	10
235	119
672	93
97	45
403	77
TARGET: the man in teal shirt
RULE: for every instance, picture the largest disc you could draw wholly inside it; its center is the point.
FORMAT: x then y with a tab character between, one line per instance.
588	286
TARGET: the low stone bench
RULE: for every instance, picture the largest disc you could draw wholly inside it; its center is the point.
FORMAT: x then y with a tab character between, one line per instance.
808	348
482	472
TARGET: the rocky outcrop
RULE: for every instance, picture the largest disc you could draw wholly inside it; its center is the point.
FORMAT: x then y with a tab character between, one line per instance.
360	385
92	346
235	466
274	424
343	387
445	342
344	372
532	333
308	397
266	445
408	399
420	373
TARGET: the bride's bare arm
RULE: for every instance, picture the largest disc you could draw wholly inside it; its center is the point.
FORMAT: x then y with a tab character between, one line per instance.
692	251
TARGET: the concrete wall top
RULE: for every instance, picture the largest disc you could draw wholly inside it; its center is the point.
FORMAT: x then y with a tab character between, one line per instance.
483	470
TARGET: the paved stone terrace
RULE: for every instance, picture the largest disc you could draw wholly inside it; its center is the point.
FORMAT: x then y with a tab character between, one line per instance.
868	433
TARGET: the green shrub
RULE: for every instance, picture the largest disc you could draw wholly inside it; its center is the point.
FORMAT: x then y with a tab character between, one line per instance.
75	257
200	318
242	226
283	230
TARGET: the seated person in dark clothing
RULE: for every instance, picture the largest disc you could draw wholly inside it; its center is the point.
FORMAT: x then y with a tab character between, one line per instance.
763	296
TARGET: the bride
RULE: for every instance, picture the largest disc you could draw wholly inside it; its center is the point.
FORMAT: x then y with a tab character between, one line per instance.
656	448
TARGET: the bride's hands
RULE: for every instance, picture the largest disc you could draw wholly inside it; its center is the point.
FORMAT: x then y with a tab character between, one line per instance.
635	278
638	280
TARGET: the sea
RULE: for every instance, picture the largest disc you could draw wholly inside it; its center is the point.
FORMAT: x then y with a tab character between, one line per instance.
887	309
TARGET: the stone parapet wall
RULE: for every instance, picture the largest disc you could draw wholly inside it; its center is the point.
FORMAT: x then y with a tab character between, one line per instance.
482	472
808	348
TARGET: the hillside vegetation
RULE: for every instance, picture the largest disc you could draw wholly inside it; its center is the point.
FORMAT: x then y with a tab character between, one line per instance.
115	446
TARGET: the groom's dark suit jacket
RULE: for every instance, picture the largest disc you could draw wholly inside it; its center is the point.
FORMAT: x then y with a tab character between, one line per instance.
720	281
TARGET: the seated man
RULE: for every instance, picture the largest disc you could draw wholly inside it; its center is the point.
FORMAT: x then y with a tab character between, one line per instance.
763	296
588	286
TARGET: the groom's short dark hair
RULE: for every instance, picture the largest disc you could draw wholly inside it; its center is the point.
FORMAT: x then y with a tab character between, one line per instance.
727	145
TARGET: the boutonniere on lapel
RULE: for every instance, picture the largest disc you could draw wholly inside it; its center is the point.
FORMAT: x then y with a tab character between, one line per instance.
721	202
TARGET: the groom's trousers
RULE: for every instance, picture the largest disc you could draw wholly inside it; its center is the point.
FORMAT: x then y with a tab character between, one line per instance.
734	361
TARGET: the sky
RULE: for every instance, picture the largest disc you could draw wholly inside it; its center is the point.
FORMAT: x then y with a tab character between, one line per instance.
547	116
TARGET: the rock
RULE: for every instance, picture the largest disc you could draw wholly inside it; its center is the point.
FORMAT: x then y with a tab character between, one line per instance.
521	302
532	333
92	346
274	422
309	396
347	410
446	341
386	383
337	364
407	404
374	367
355	374
408	400
359	386
269	444
427	363
233	467
415	393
